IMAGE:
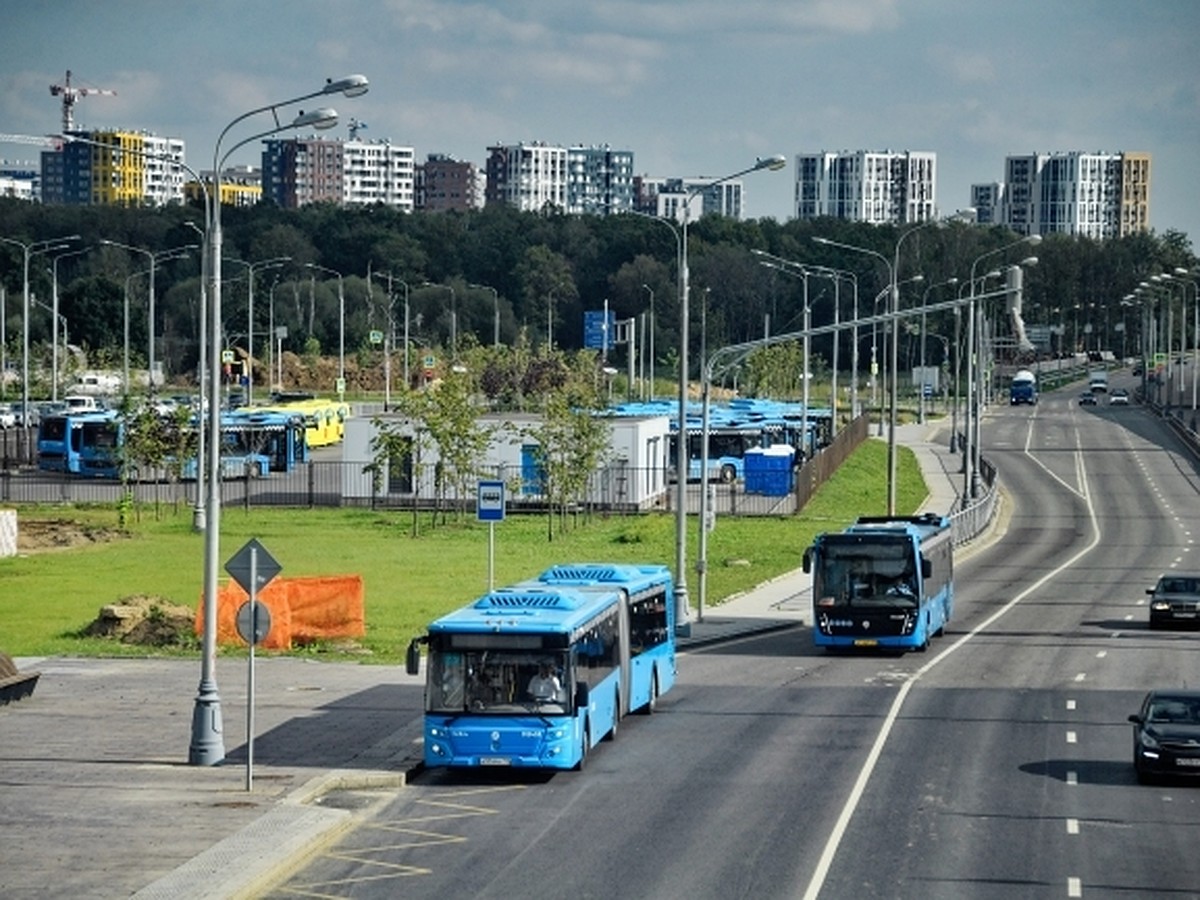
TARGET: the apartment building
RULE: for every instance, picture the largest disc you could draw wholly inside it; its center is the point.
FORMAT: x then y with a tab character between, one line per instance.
879	187
300	171
667	197
599	180
444	184
1095	195
530	177
118	168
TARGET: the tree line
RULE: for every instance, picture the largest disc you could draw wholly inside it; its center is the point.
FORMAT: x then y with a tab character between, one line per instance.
524	281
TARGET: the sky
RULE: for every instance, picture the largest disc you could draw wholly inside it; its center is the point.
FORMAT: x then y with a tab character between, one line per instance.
695	88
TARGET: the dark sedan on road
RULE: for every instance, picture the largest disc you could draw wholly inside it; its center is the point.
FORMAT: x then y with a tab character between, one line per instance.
1166	734
1175	599
1087	398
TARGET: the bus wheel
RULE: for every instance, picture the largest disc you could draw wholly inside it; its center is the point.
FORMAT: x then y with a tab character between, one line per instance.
652	703
728	474
612	735
583	751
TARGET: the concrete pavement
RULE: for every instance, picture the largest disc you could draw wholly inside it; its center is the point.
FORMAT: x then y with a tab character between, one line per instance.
97	799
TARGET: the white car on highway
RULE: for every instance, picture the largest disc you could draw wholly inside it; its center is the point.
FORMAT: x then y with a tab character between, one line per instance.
8	418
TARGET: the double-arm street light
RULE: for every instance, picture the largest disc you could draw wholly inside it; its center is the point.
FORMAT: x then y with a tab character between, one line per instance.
155	258
28	250
682	462
251	269
974	356
207	742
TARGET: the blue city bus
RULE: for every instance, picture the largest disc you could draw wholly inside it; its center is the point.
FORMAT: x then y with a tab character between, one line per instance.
601	634
736	427
277	435
84	443
886	582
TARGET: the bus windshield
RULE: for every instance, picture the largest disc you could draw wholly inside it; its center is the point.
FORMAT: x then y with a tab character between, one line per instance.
864	575
497	681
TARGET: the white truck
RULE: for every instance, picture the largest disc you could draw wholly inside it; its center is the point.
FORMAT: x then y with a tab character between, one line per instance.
1098	381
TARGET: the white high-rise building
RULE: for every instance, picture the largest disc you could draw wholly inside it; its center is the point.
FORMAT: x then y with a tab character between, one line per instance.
879	187
1095	195
529	177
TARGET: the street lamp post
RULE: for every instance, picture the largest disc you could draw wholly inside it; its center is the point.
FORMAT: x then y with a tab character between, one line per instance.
55	316
650	348
924	303
682	612
974	352
28	250
387	374
341	382
251	269
207	742
155	258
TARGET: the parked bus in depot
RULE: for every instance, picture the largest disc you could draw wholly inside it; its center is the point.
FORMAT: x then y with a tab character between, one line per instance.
324	420
735	428
1023	389
885	581
84	443
278	436
535	674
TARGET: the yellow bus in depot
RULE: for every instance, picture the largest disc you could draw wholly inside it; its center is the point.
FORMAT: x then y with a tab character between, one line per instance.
324	420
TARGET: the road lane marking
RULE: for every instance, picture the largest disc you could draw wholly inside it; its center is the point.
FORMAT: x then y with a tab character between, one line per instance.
825	861
1072	826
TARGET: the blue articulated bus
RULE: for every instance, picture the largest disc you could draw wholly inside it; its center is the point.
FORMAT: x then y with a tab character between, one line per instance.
535	674
886	581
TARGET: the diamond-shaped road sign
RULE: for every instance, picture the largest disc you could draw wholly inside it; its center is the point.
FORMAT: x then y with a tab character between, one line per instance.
265	565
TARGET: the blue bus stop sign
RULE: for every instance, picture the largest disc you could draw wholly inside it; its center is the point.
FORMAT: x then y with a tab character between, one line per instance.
491	501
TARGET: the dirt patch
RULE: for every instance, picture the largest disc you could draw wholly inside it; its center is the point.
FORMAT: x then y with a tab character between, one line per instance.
146	621
45	535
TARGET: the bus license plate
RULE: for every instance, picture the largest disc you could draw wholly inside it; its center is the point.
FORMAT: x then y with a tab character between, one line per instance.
866	643
495	761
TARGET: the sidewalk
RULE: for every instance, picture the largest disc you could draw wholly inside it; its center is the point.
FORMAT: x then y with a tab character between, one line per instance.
98	800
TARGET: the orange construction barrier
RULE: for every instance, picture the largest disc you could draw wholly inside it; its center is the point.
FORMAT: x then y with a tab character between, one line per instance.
302	610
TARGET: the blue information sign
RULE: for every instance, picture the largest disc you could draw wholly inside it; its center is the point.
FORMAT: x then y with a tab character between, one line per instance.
491	501
598	329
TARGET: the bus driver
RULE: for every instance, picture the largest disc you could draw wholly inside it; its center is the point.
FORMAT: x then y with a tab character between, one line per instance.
545	684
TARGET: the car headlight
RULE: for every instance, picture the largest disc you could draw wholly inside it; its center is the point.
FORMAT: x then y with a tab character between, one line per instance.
1149	742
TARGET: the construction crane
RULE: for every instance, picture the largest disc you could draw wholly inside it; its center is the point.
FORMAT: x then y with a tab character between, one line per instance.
51	142
355	127
70	95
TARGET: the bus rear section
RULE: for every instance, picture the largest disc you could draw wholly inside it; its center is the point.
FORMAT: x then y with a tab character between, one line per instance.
534	675
884	582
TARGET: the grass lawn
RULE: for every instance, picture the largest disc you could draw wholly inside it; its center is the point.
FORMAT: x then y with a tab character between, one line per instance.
48	598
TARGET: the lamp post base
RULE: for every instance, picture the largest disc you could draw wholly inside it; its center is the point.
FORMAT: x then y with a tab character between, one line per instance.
208	744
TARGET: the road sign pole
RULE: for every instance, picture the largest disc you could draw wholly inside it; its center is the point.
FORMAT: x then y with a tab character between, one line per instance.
250	673
491	556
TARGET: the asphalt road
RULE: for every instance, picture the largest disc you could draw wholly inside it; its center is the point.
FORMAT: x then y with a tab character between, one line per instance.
997	765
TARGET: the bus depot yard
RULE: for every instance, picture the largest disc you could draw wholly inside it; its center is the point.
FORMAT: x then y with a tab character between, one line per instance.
73	561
